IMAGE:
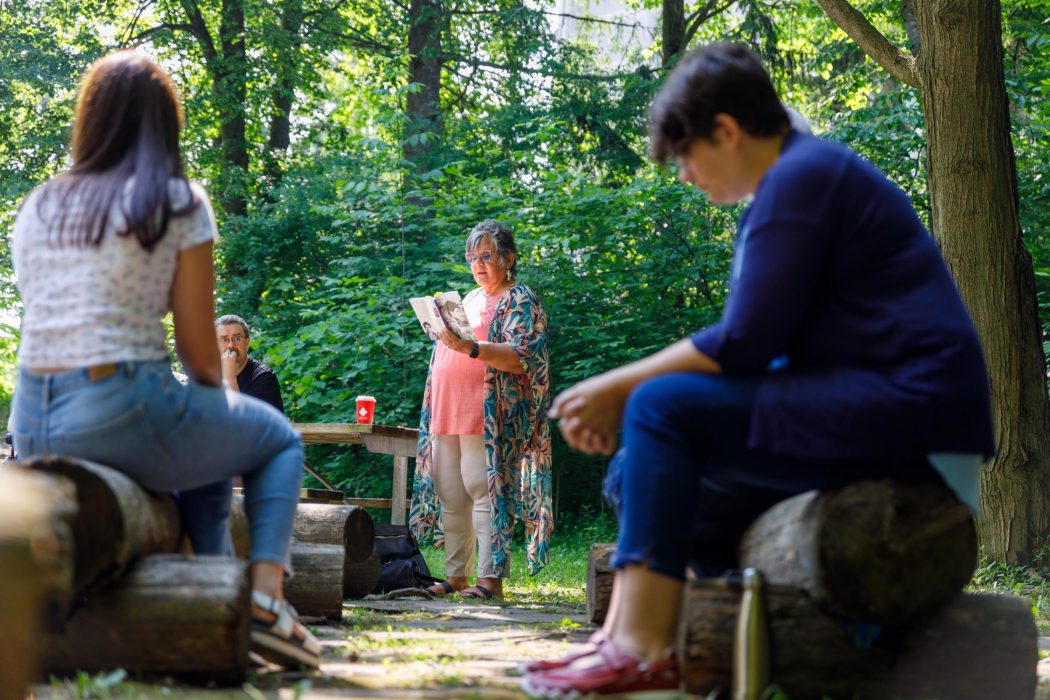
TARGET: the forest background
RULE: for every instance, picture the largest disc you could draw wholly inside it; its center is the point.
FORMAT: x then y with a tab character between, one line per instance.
349	146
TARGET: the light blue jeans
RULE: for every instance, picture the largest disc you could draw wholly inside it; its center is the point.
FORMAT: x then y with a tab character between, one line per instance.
171	437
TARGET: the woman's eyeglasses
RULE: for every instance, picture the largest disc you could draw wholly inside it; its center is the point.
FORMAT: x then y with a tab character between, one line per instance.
484	258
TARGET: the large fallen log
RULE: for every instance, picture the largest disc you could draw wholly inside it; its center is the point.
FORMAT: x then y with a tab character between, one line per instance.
599	581
169	614
316	589
33	533
975	648
360	578
116	520
877	551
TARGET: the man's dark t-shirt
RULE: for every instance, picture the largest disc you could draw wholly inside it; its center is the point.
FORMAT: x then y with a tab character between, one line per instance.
258	380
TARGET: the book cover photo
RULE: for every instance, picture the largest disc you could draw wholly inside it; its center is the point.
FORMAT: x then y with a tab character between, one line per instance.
441	311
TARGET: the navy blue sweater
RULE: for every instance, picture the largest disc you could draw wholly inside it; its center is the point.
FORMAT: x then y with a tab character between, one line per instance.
837	284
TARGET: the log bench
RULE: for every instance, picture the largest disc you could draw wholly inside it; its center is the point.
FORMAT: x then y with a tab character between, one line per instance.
33	532
115	592
888	555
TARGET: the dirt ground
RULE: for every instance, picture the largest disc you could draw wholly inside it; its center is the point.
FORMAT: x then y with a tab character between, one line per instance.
407	649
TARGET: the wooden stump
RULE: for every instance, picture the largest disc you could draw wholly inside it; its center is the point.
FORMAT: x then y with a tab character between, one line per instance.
600	576
116	520
169	614
33	532
878	551
975	648
316	589
349	526
360	578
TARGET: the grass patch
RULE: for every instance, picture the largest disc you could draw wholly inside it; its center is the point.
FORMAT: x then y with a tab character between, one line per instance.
1031	582
562	583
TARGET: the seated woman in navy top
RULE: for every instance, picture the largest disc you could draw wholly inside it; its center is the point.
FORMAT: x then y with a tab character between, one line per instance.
844	354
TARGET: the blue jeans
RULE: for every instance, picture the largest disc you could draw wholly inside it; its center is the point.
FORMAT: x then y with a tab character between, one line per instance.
689	485
169	437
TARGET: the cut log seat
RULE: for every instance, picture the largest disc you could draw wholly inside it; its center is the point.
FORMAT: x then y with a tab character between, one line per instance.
877	551
167	614
361	578
975	648
33	534
116	521
316	589
600	576
349	527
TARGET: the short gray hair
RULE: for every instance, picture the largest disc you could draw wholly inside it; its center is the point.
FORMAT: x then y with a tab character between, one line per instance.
499	237
230	319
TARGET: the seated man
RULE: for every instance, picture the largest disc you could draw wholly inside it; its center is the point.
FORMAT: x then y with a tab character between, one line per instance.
240	372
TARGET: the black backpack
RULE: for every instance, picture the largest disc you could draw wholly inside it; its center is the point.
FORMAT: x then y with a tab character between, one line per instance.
402	564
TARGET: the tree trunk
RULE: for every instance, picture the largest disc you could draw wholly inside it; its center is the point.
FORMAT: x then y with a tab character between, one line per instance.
600	575
360	578
116	520
673	31
879	552
229	81
169	615
424	68
973	196
316	589
973	192
978	647
288	45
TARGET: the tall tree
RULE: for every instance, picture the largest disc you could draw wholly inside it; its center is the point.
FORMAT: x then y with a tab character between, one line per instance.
425	19
958	69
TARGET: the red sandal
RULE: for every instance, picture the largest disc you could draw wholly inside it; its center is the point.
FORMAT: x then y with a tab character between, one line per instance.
613	672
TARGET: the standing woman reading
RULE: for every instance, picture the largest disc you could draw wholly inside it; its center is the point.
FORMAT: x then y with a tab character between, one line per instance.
101	254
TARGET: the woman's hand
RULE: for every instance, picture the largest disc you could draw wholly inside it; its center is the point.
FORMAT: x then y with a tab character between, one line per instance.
454	342
590	412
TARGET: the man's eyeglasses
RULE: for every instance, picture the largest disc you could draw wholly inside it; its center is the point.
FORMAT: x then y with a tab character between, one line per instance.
235	339
484	258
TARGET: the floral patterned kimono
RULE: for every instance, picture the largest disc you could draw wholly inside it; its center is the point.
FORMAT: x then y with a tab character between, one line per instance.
517	439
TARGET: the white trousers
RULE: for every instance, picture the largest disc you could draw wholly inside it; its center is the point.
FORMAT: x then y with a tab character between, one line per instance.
462	486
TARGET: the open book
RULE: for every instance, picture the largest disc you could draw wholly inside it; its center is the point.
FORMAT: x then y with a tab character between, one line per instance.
441	311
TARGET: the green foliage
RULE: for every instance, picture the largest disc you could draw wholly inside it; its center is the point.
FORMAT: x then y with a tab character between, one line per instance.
544	132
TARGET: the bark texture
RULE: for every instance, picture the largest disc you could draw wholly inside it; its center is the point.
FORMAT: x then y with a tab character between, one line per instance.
973	195
170	614
424	68
978	647
116	521
878	551
30	550
600	576
316	589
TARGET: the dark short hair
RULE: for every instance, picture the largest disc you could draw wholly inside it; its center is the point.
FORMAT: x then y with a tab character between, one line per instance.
717	79
230	319
499	237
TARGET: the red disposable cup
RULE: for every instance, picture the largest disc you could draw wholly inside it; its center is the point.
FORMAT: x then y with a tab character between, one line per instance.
366	408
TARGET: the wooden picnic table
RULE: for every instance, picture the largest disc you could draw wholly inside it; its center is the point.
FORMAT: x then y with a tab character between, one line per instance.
398	441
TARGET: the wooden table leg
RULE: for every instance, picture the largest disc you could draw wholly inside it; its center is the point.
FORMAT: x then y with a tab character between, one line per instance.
398	502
